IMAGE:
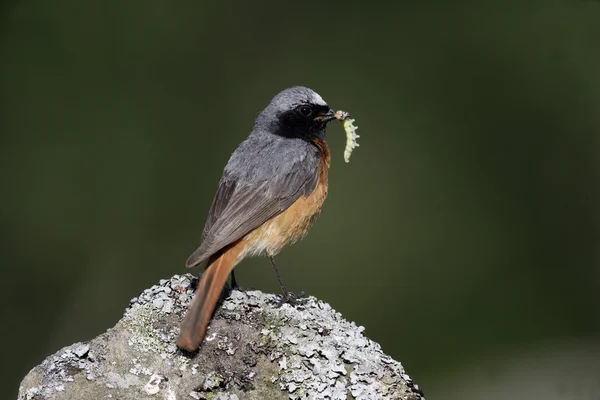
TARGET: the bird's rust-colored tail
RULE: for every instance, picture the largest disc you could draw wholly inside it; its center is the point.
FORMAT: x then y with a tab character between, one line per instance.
209	288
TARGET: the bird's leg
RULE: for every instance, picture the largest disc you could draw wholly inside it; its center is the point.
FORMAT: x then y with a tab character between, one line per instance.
287	296
234	284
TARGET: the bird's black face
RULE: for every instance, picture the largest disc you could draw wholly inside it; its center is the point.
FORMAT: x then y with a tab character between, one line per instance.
305	121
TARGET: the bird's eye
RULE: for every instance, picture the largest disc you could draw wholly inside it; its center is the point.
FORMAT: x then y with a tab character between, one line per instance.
305	110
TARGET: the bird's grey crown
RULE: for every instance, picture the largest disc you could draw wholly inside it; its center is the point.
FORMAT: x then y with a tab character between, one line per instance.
287	100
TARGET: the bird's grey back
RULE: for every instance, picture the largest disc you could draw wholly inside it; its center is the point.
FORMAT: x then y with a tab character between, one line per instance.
264	155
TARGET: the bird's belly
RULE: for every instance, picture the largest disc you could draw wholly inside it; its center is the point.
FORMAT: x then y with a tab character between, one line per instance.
288	227
292	224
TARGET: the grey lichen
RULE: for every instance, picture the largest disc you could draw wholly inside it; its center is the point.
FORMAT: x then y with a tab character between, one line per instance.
253	350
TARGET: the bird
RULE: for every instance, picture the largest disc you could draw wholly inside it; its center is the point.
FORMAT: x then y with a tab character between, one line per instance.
271	191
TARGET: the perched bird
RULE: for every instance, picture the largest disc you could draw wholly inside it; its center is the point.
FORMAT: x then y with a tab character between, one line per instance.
271	191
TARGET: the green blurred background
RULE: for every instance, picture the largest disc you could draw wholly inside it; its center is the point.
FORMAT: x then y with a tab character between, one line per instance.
464	234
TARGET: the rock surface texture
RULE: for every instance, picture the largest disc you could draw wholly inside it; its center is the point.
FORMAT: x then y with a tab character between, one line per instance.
253	350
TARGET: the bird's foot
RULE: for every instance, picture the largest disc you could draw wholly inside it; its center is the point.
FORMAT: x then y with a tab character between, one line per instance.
290	298
243	288
236	286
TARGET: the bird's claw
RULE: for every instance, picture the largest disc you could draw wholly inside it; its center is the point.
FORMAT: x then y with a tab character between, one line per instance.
291	299
243	288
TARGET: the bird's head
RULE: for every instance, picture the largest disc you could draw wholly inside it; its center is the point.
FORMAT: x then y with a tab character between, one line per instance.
296	112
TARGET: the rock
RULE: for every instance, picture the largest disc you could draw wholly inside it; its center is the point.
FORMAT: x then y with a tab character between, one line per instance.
253	350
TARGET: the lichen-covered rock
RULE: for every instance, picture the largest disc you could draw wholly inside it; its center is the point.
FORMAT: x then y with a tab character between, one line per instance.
253	350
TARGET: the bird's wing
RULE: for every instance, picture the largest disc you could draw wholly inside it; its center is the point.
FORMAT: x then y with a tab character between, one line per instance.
239	207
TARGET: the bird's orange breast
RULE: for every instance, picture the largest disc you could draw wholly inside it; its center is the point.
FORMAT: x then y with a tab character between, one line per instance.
293	223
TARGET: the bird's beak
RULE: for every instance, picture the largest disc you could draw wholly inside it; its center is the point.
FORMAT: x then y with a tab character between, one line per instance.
325	116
